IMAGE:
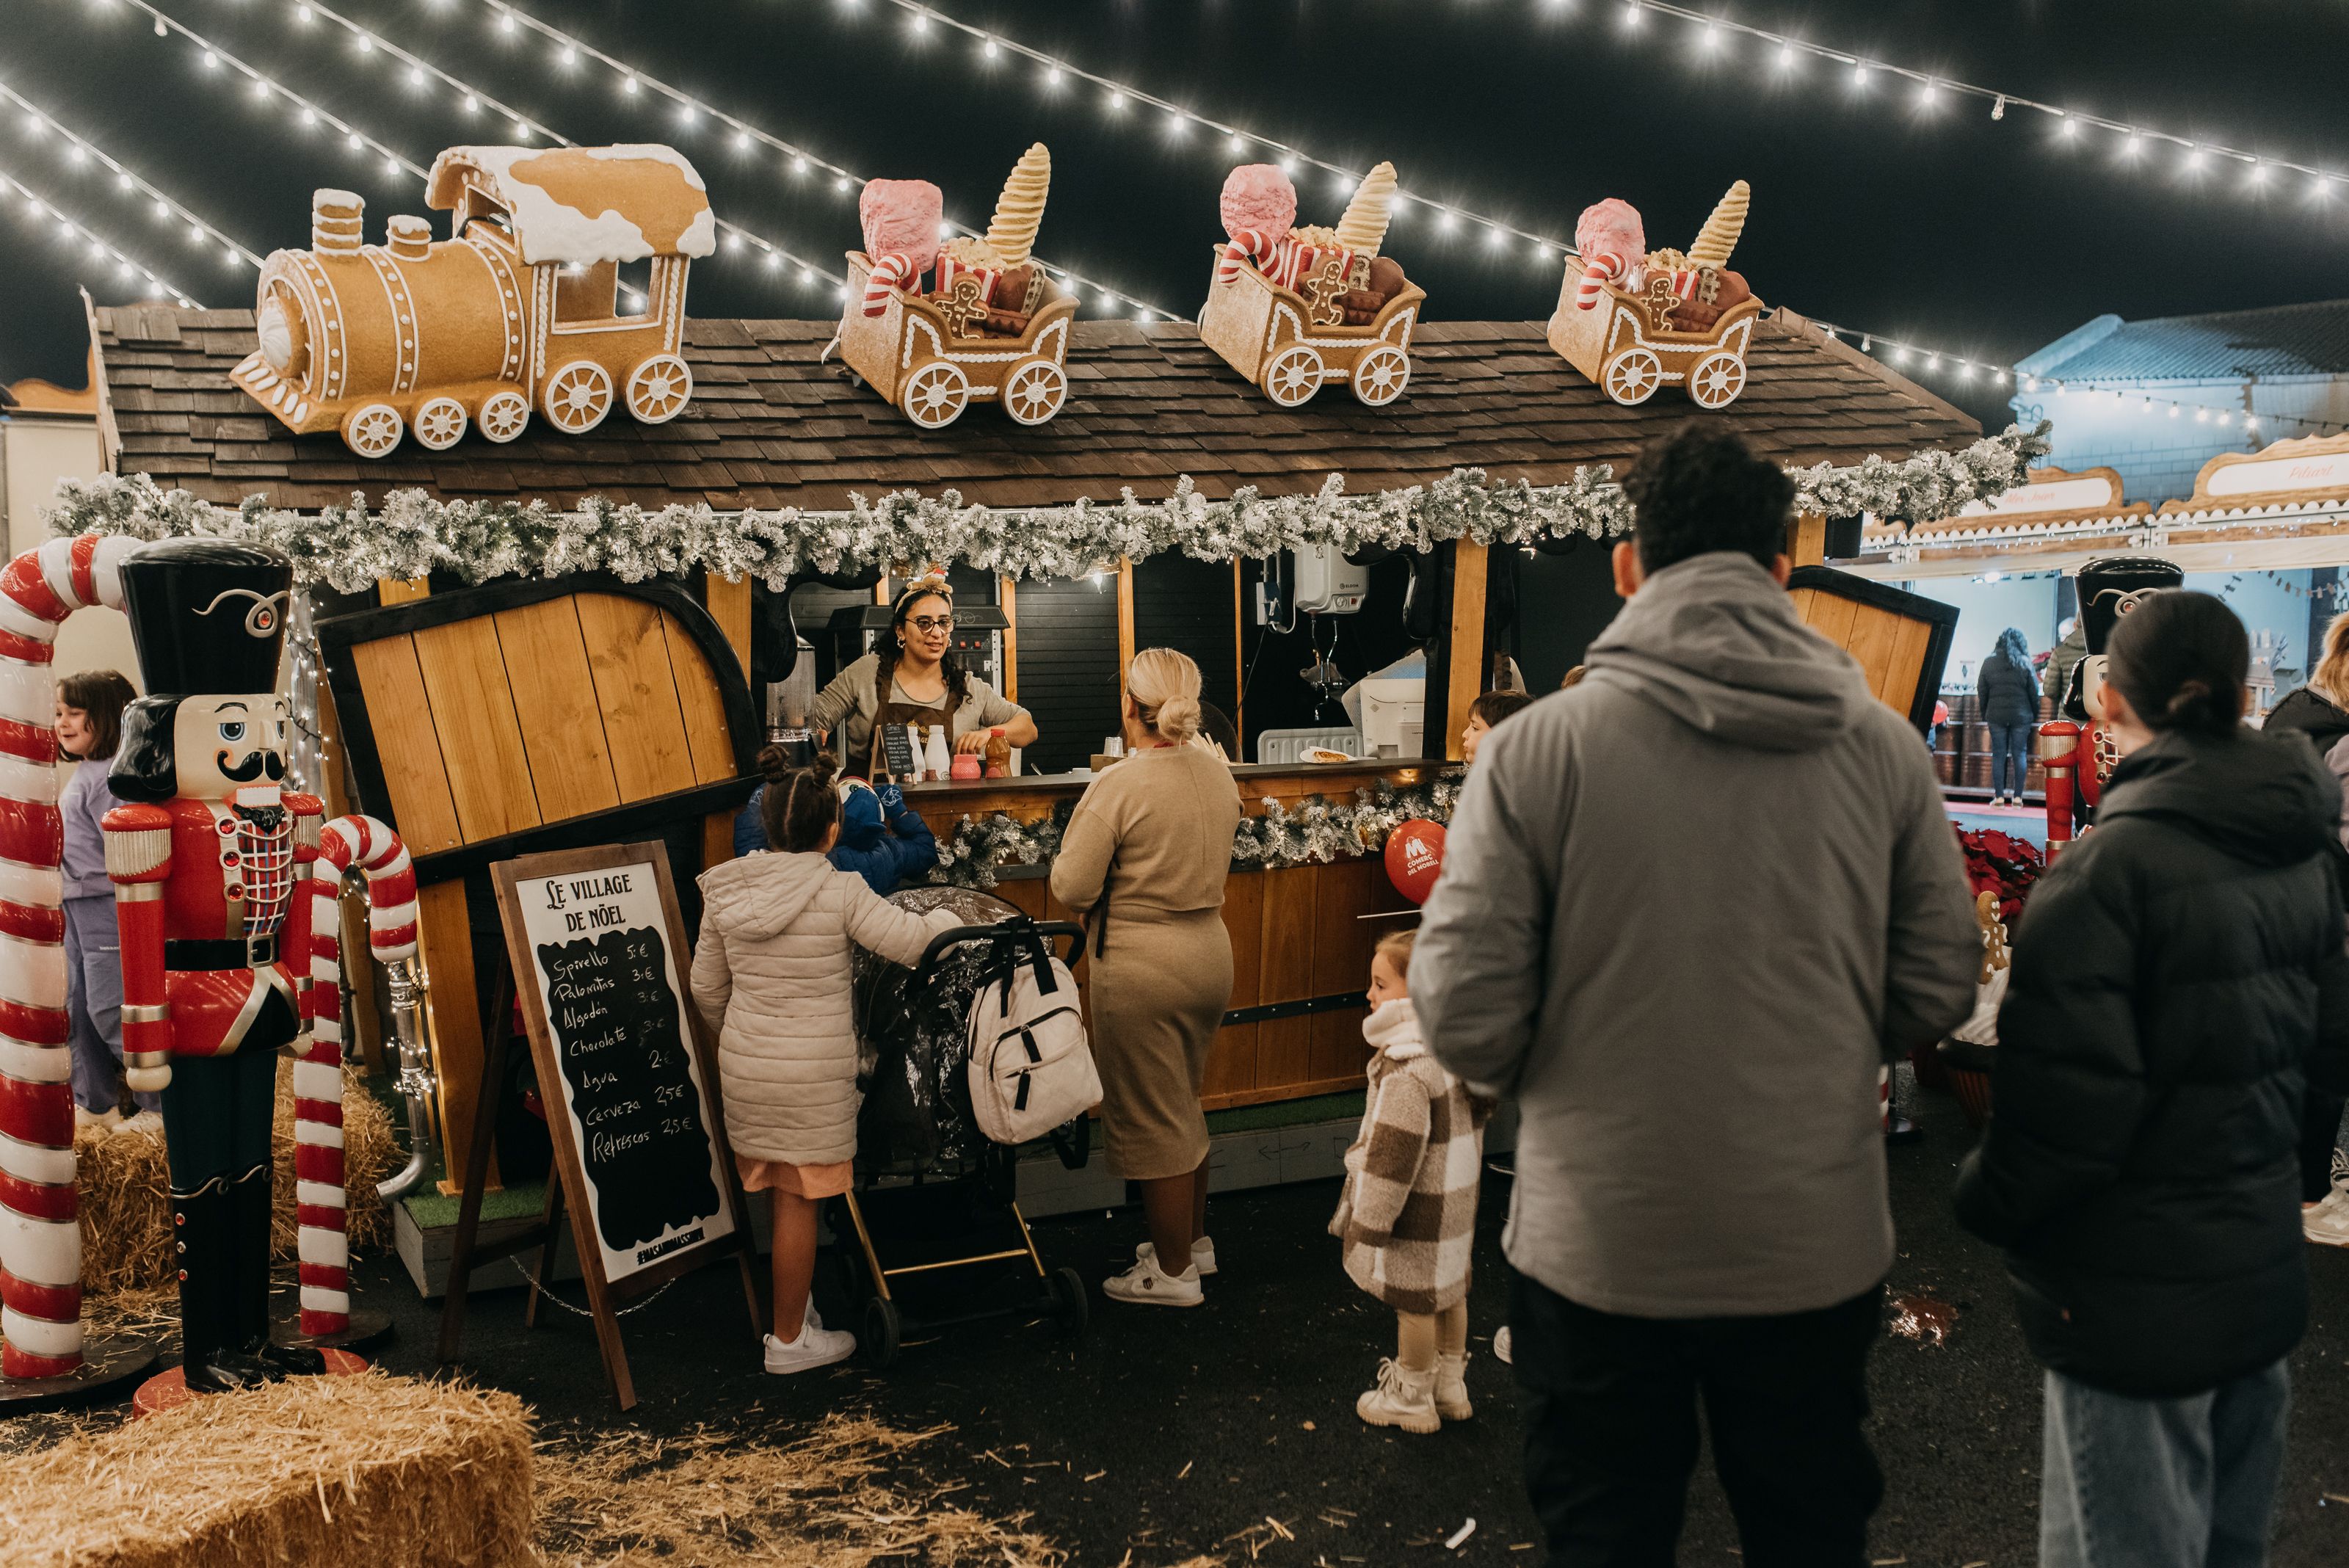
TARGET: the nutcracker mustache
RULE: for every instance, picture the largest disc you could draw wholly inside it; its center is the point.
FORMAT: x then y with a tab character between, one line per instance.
252	767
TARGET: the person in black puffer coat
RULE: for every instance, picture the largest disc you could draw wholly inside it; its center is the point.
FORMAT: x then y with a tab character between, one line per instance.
2009	690
2178	981
2317	708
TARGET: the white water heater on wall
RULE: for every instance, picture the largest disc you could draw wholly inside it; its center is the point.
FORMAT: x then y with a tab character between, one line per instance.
1326	583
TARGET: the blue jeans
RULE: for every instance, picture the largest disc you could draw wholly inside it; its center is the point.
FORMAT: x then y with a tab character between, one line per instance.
94	1003
2009	745
2161	1484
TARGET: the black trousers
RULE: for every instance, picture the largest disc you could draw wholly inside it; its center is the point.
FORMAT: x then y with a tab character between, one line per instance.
1611	1415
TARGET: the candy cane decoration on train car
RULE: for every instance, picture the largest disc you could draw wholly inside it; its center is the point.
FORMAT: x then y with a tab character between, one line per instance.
319	1194
40	1235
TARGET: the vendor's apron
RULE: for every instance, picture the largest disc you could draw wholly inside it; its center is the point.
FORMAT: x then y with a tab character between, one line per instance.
887	711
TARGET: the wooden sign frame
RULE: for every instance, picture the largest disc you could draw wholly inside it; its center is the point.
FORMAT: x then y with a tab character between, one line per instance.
567	1188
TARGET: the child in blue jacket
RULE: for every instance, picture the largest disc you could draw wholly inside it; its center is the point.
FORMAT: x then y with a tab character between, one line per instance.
882	838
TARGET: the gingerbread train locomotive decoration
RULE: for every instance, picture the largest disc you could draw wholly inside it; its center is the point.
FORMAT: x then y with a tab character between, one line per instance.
522	312
1635	320
214	866
1292	307
936	326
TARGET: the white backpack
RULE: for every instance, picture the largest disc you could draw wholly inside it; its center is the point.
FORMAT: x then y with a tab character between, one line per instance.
1031	1069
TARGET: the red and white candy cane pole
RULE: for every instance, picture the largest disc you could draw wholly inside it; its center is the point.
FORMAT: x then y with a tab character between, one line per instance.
318	1192
2060	754
40	1235
1598	271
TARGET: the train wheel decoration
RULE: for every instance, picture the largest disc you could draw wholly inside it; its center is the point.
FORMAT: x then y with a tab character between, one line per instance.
1635	320
578	396
441	424
934	329
1295	308
525	292
658	389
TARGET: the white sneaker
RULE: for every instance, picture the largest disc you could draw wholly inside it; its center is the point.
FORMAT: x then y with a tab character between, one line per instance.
1451	1387
2326	1222
105	1121
1403	1398
1147	1284
816	1346
144	1122
1501	1346
1203	1254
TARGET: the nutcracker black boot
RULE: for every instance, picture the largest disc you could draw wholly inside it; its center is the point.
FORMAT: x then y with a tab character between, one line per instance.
254	1256
203	1244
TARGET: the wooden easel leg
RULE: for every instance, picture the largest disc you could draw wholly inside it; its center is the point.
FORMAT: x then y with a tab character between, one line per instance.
477	1163
552	1218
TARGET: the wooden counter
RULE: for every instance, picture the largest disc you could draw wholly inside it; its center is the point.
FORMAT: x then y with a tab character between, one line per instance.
1301	936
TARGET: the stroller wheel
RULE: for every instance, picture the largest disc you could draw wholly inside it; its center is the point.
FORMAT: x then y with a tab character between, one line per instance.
1072	1307
882	1326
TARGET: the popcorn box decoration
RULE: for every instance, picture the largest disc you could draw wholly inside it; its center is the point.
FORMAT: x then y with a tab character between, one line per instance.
1292	309
522	310
989	326
1634	319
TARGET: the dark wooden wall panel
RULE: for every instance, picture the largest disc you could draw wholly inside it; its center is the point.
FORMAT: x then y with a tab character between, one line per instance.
1068	669
1183	604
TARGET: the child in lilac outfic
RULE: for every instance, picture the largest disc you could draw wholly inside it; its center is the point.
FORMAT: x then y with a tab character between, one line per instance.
89	726
1407	1216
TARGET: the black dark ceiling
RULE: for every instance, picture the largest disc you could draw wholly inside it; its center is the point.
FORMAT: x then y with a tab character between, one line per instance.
1986	237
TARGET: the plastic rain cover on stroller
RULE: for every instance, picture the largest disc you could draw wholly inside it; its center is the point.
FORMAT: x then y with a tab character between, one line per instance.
912	1056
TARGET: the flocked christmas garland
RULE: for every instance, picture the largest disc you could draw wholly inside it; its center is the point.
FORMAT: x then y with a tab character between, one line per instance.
413	535
1317	832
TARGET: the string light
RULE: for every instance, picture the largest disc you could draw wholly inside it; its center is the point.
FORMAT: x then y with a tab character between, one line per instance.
691	107
38	209
40	125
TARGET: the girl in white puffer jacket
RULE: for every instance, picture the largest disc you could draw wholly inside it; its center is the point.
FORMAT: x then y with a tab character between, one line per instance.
770	976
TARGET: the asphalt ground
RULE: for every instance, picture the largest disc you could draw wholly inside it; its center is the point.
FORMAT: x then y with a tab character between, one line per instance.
1169	1433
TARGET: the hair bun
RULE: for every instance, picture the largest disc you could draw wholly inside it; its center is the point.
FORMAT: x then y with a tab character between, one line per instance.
1178	719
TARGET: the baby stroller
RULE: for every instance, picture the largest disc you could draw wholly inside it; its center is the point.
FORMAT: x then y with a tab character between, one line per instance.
932	1192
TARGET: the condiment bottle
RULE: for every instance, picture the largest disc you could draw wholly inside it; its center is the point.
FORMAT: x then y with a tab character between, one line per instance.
937	763
998	753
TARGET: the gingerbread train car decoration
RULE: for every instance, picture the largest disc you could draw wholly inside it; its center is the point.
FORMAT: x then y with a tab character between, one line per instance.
520	313
1634	320
1293	307
935	327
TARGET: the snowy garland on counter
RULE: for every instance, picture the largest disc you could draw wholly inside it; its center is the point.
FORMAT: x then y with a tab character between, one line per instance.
412	535
1318	831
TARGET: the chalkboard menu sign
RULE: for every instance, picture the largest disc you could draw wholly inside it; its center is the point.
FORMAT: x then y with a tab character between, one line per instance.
642	1167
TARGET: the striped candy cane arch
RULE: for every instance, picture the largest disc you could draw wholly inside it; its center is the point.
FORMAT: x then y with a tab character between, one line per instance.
319	1193
40	1235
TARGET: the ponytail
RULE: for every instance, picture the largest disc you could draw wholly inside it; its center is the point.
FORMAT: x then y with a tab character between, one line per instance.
799	806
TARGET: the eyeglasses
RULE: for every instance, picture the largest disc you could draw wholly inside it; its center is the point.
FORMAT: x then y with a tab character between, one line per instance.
931	622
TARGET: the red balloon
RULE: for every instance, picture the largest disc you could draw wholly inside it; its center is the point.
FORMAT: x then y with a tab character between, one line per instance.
1414	856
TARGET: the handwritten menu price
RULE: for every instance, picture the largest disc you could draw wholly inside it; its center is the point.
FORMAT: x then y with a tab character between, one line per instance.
639	1113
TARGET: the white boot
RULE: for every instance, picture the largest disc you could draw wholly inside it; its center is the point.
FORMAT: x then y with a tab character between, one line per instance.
2326	1223
1451	1387
1403	1398
1203	1254
1502	1348
1147	1284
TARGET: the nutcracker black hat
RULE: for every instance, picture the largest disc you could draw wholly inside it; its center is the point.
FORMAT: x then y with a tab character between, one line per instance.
207	615
2109	589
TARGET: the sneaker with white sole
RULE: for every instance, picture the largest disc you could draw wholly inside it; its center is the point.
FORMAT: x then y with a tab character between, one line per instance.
1147	1284
1501	1346
1451	1387
816	1346
2326	1224
1203	1254
1403	1398
104	1121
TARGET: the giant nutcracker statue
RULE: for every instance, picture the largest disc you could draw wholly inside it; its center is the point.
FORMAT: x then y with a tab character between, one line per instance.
202	855
2076	749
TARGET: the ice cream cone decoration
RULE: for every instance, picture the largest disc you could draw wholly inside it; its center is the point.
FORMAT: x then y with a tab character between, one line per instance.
1719	236
1364	227
1020	209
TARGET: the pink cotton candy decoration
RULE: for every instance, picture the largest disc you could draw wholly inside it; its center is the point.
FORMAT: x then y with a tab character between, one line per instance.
1258	196
1612	228
901	217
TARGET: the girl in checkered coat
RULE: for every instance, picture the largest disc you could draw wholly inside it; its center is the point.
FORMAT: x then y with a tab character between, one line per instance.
1408	1214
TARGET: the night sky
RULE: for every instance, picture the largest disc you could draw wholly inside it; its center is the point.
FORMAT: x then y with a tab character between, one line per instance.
1986	238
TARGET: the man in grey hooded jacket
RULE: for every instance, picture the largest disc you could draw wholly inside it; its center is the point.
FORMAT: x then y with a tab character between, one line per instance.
1689	909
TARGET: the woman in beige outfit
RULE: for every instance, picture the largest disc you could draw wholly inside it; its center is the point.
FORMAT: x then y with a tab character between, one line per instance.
1146	854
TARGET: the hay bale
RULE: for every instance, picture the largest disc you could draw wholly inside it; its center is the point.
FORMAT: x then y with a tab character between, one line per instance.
124	1181
386	1471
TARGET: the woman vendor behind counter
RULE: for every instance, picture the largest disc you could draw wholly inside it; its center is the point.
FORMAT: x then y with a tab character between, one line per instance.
914	684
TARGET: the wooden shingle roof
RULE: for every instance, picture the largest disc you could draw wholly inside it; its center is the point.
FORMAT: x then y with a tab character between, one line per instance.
769	426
